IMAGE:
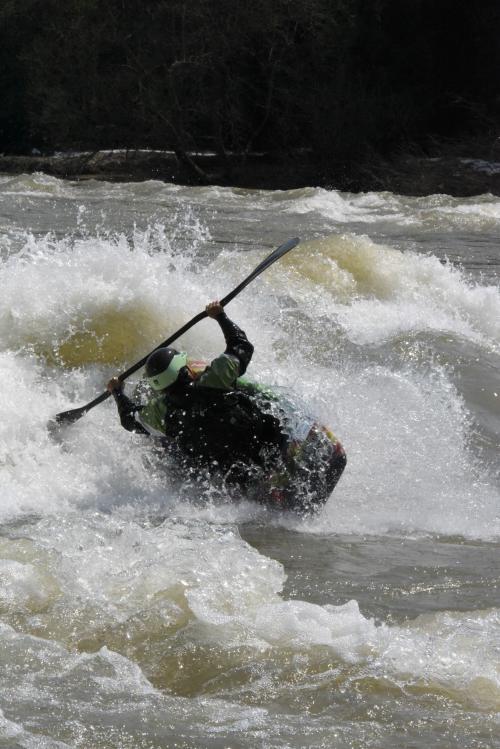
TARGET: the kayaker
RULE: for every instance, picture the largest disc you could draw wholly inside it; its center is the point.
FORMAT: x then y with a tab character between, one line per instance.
214	422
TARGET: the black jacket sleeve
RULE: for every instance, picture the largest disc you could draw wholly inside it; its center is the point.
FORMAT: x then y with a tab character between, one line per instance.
126	411
237	343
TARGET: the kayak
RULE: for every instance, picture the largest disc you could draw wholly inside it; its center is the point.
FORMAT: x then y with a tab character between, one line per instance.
311	462
298	474
312	467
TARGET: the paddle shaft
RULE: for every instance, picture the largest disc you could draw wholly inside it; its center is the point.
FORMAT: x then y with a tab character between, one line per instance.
68	417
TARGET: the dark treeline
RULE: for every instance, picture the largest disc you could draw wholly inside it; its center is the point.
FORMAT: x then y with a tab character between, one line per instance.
338	79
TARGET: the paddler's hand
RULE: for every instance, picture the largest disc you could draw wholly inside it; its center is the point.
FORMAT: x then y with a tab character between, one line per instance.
114	386
214	309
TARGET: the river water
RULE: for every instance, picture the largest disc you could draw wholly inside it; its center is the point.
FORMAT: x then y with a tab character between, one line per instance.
134	616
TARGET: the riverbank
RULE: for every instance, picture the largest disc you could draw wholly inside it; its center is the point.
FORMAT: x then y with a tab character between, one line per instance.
458	174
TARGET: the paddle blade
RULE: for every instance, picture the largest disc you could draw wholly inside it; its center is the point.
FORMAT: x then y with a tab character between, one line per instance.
269	260
69	417
60	420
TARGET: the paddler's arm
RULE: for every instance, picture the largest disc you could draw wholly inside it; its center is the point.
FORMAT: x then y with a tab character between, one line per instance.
127	409
237	344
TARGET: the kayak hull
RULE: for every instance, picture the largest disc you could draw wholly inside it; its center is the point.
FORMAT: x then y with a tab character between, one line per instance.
313	468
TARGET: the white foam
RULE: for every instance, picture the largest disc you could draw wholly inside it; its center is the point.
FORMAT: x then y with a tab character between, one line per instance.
448	653
112	552
432	212
118	577
377	292
405	431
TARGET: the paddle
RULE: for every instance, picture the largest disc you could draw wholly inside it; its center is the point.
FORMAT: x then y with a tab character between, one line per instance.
69	417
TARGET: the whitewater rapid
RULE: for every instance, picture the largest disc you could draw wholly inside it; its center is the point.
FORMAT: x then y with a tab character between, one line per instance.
122	600
351	315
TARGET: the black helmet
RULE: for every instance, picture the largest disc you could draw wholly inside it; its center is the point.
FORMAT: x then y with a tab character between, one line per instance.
163	366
